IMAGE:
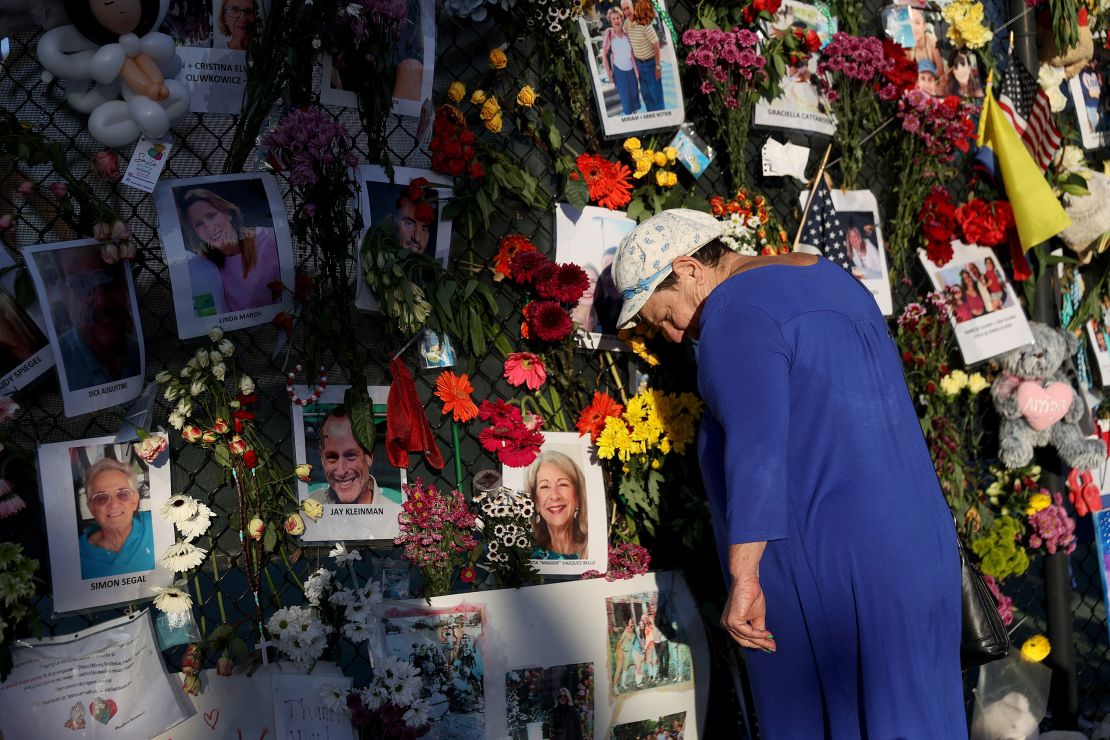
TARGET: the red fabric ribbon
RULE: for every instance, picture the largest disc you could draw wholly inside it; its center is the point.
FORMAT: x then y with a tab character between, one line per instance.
407	427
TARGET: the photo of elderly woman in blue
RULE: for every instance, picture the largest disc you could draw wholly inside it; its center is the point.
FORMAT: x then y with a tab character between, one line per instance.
122	539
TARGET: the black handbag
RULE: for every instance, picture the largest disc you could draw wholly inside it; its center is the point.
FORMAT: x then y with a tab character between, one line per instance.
984	637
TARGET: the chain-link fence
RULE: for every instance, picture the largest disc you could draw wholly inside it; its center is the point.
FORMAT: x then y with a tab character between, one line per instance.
200	148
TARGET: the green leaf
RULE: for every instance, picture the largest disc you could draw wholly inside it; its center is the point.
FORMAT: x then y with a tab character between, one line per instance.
222	455
269	540
471	286
636	210
361	412
476	333
576	193
1071	189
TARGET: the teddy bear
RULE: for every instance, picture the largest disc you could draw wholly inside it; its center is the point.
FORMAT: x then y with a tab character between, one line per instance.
1038	405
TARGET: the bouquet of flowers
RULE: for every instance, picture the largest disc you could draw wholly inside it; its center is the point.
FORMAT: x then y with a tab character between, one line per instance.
390	706
437	532
966	29
749	226
514	438
555	288
506	517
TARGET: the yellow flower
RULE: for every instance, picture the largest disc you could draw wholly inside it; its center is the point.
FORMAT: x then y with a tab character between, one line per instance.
1036	649
312	508
656	464
661	178
478	97
672	154
977	384
497	59
672	179
632	144
660	159
526	97
960	378
490	109
614	440
493	125
639	348
649	153
949	386
1037	502
456	91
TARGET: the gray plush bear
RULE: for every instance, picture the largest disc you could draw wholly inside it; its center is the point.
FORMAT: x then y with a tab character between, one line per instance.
1038	406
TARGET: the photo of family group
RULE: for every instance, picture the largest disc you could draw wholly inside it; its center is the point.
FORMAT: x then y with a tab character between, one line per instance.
646	646
411	208
668	727
414	53
361	492
941	68
552	703
985	312
446	647
92	318
977	289
589	238
633	66
104	534
226	240
567	488
25	352
1091	96
802	104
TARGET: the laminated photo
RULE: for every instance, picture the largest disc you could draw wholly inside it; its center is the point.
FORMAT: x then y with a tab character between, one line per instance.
633	66
858	233
802	104
360	491
1091	96
567	488
226	241
25	352
104	681
414	57
647	647
589	238
447	647
555	702
418	222
92	319
105	533
667	727
985	312
942	69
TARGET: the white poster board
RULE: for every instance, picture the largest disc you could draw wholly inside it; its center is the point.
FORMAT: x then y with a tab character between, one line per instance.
300	712
104	682
227	708
987	317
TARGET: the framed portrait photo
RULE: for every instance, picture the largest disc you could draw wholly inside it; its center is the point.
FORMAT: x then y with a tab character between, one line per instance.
92	319
633	66
104	533
802	104
985	311
361	492
589	238
25	352
1091	96
568	490
226	239
419	224
414	57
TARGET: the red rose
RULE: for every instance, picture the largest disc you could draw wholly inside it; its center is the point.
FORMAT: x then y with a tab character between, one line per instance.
425	214
250	459
980	225
939	252
476	172
813	41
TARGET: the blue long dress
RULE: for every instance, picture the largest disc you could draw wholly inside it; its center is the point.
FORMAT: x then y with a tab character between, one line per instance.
810	442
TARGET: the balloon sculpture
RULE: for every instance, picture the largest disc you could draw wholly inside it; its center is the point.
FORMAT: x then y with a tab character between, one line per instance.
116	68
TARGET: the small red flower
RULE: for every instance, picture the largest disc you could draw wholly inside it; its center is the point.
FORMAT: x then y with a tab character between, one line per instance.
250	459
468	574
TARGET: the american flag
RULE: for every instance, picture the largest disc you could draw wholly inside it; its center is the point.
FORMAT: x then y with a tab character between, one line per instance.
823	230
1026	105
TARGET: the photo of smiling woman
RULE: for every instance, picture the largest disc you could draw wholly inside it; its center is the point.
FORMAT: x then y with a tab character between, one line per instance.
567	489
120	538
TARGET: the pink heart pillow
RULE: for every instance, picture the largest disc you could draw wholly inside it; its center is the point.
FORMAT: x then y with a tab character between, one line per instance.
1043	406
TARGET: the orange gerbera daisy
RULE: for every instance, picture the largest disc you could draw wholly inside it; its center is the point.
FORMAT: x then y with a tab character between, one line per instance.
509	247
454	391
608	182
592	419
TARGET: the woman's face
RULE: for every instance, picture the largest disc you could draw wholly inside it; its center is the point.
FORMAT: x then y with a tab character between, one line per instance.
961	70
556	498
112	501
212	225
917	23
988	264
855	241
616	20
240	16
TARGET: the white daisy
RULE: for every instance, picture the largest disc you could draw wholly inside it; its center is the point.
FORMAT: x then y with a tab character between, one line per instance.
342	597
315	586
417	715
182	556
334	698
358	633
342	555
282	622
521	541
170	599
196	525
179	508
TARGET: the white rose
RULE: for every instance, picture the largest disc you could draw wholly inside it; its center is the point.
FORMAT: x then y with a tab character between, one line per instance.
227	348
201	358
219	370
215	357
184	407
196	388
246	385
1070	159
164	377
176	420
215	334
1050	79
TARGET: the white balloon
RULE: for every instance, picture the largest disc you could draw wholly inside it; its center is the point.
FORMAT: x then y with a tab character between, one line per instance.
111	124
106	64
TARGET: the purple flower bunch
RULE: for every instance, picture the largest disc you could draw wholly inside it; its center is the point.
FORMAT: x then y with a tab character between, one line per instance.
625	560
310	145
729	61
1004	603
1052	528
859	58
942	124
349	28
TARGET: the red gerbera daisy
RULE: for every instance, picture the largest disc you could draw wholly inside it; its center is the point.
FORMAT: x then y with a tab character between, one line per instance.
524	266
566	285
548	321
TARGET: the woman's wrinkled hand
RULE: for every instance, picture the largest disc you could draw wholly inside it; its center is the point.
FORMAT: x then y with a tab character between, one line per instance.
745	616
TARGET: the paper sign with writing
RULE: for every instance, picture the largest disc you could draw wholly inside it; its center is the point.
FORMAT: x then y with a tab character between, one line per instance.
300	712
228	708
147	162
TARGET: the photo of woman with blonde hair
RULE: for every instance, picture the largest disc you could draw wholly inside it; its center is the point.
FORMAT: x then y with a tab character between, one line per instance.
559	528
246	258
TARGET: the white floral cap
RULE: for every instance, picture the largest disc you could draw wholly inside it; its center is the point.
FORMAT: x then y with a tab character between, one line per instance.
645	255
